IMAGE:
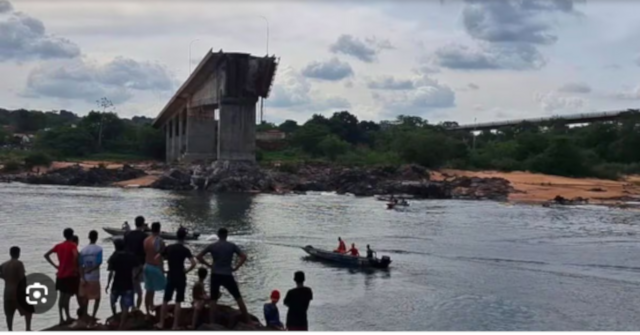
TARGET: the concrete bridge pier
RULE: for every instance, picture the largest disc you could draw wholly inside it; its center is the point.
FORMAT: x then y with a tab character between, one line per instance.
236	131
201	134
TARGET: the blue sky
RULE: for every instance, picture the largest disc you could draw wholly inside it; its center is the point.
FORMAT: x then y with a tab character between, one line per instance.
441	60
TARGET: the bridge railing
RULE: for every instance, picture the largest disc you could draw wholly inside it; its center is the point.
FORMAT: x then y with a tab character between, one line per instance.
569	117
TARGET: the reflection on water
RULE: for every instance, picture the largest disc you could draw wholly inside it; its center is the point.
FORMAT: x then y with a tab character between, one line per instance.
457	265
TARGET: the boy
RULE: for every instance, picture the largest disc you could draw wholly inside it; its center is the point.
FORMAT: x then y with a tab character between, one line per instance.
67	276
298	300
175	255
12	271
271	313
120	267
90	261
199	296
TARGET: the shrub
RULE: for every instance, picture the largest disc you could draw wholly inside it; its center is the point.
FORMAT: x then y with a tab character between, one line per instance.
37	159
11	166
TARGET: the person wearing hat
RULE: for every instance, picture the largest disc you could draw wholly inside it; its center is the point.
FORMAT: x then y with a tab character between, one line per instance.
271	313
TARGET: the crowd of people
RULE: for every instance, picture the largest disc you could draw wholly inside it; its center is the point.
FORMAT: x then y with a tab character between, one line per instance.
139	259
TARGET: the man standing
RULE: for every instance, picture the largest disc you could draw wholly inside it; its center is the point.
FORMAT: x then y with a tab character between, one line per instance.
134	244
121	264
176	254
67	276
153	275
90	261
298	300
222	253
12	271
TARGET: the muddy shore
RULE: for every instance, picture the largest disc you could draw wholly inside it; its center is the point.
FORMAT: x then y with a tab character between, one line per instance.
516	187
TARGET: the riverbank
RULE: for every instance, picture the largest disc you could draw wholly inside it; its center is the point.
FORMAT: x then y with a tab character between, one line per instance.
540	188
409	180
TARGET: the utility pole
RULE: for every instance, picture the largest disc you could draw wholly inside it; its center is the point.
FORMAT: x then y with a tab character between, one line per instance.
103	103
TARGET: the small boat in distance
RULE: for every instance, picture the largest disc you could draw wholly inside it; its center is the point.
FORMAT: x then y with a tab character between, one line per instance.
345	259
165	235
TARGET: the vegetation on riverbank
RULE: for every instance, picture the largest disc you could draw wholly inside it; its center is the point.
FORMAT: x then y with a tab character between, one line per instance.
603	150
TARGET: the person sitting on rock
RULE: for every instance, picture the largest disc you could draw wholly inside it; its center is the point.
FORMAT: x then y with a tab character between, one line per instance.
354	251
342	248
199	296
271	313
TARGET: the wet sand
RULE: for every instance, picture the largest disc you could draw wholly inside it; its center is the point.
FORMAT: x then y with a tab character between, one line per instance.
538	188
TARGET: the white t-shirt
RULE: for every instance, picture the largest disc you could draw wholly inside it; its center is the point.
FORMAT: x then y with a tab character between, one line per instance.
91	256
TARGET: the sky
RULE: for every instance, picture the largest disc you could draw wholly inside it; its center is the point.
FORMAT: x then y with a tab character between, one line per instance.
443	60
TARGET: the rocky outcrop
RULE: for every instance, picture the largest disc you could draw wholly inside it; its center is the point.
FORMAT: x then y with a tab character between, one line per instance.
78	176
227	318
475	188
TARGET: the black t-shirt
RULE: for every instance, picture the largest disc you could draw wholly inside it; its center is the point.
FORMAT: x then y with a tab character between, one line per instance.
134	243
175	255
122	263
298	300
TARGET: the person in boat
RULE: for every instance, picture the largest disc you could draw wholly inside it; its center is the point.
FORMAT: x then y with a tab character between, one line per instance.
342	248
222	252
12	271
271	313
354	251
154	280
67	277
134	244
370	253
126	227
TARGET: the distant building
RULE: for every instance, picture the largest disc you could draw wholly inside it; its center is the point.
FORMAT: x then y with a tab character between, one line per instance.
270	135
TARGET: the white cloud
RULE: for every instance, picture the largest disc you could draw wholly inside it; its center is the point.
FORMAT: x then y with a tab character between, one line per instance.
575	88
556	103
332	70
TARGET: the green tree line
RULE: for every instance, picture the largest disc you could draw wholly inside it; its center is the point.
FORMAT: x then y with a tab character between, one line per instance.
63	134
600	149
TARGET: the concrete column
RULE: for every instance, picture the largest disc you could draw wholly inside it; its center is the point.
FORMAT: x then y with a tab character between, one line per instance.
179	141
167	142
201	133
237	132
176	138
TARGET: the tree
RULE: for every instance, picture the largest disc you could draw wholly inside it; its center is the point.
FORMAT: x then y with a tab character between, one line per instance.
264	126
37	159
104	104
561	158
332	147
66	141
4	136
345	126
309	136
288	126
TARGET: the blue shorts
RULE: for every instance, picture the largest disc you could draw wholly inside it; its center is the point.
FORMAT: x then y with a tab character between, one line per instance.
154	279
126	298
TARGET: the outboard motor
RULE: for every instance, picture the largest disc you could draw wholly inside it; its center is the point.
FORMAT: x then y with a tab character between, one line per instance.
385	261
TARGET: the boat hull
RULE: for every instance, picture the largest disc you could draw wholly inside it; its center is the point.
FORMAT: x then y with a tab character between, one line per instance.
163	235
347	260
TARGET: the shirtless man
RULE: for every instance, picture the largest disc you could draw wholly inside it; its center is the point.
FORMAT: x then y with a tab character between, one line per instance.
154	279
12	271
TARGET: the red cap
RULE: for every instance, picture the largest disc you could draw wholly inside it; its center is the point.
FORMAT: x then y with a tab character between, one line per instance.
275	294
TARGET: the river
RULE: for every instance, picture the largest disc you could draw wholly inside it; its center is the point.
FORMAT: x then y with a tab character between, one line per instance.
457	265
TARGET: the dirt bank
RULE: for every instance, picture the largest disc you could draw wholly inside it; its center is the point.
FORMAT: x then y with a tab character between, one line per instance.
539	188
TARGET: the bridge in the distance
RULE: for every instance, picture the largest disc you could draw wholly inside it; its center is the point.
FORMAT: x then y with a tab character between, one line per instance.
565	119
